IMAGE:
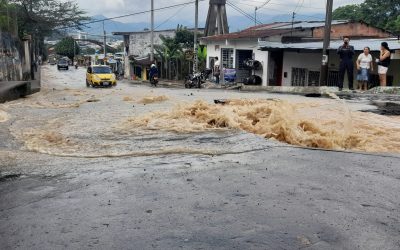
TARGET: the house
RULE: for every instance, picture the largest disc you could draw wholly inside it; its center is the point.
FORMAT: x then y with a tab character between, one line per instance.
253	43
137	49
300	62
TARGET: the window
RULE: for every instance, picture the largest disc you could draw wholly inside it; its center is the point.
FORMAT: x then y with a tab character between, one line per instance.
305	77
227	58
299	76
101	70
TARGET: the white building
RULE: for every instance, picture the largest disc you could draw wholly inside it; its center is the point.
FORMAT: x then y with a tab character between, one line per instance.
138	45
283	67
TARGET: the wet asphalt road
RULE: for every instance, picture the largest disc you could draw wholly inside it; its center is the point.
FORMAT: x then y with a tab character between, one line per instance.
254	194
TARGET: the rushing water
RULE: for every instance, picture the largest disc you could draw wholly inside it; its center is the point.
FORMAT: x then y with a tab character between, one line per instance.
72	120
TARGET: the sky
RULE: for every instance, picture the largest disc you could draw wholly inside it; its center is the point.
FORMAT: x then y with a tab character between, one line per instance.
112	8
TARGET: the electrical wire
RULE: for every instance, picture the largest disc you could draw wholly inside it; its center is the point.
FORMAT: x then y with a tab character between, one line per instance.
168	19
242	12
127	15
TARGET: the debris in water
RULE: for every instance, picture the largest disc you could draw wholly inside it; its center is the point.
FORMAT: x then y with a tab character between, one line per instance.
220	101
93	100
154	99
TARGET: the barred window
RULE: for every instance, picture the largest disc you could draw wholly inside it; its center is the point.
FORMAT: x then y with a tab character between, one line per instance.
227	58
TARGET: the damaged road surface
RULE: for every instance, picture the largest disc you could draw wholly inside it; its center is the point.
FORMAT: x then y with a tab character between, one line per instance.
135	167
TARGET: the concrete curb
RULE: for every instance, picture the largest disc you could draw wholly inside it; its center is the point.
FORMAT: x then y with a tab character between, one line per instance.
391	92
12	90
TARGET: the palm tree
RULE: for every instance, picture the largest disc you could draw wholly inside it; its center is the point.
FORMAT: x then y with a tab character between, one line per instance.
169	51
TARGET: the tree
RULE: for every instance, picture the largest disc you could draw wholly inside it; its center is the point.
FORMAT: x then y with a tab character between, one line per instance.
382	14
348	12
184	37
41	18
169	52
66	48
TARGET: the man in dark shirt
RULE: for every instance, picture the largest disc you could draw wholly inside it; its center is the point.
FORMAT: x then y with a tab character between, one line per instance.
346	53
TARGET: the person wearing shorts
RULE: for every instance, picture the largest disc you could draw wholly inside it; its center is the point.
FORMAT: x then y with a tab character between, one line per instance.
383	63
364	67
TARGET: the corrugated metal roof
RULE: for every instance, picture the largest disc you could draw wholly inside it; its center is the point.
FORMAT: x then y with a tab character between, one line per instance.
271	29
374	44
309	24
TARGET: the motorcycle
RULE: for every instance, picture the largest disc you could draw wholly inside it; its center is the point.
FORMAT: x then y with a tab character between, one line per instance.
154	80
195	80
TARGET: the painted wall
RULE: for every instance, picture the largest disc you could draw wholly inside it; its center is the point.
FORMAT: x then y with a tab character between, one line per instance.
214	49
311	61
139	43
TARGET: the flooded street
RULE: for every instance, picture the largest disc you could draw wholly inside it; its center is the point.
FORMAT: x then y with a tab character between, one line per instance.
162	168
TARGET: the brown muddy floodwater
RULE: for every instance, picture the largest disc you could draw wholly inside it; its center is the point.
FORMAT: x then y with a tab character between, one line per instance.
300	124
71	120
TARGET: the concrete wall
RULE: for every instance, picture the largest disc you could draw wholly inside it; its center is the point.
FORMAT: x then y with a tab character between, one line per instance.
214	49
351	30
11	60
140	43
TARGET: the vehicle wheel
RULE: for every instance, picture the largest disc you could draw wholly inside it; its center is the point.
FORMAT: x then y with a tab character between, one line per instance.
58	68
187	85
199	84
67	68
87	84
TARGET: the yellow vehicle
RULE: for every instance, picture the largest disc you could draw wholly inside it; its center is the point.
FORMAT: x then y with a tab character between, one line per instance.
100	75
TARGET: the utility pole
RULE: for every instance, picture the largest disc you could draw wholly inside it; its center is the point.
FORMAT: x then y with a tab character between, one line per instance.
105	42
73	60
152	32
323	80
293	16
196	26
255	16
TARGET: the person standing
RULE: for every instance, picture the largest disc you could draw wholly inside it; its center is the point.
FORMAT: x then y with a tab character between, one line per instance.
217	70
364	67
383	63
346	53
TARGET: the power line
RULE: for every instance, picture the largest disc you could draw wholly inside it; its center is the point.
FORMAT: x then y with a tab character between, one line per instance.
168	19
272	3
127	15
242	12
285	12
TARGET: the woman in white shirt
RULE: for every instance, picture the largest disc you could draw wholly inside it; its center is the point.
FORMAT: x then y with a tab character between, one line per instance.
364	67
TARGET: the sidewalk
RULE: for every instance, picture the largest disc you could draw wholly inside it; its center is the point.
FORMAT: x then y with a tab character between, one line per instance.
392	93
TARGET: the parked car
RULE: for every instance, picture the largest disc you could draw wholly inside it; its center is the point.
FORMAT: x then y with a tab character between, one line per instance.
100	75
62	64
